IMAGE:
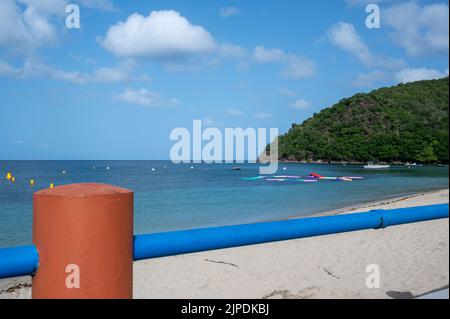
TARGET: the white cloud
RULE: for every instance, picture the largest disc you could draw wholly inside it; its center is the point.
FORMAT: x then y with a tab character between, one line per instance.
405	75
26	25
162	34
411	75
35	68
120	73
344	35
110	75
47	7
369	79
226	12
144	97
170	38
8	70
301	104
24	29
230	50
262	116
58	7
264	55
287	92
419	30
299	67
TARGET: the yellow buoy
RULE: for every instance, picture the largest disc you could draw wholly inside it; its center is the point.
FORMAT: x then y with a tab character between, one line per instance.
31	182
9	176
52	185
13	179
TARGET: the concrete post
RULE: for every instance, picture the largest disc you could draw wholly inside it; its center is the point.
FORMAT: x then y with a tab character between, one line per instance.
84	236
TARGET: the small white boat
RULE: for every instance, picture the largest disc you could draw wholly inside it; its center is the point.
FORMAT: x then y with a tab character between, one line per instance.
376	166
410	164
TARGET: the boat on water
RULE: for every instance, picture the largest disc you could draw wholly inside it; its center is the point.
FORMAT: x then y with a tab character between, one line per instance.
377	166
410	164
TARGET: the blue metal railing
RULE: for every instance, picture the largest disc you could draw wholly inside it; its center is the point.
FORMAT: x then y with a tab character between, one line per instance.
19	261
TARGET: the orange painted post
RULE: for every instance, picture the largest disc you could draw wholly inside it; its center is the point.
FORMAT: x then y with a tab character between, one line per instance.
84	236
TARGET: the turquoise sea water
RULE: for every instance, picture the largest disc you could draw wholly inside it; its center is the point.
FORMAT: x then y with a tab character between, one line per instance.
177	197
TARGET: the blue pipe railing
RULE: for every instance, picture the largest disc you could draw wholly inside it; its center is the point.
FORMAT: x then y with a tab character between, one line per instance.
20	261
196	240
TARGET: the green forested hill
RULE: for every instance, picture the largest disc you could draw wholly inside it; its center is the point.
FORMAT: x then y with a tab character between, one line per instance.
408	122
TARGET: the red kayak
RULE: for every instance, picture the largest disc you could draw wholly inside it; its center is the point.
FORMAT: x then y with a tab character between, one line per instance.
315	175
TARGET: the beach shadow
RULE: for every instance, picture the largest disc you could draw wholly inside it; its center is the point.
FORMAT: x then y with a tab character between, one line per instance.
400	295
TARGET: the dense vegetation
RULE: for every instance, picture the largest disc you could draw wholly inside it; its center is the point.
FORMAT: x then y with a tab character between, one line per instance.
408	122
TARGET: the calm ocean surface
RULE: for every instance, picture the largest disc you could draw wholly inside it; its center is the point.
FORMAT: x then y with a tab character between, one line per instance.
177	197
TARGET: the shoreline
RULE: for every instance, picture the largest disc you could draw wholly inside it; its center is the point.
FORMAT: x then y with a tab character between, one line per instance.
356	163
303	268
365	206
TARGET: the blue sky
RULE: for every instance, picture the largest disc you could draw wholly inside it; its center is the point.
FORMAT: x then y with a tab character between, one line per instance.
135	70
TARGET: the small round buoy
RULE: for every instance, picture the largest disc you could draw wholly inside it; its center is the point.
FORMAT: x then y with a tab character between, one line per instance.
9	176
284	168
32	182
13	179
52	185
192	167
63	172
153	169
93	167
107	167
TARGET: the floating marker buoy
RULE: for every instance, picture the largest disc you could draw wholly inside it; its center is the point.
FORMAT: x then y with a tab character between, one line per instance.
93	167
284	168
13	179
9	176
63	172
52	185
153	169
107	167
192	167
31	182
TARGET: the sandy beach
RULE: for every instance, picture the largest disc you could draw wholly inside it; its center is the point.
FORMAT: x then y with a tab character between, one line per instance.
413	260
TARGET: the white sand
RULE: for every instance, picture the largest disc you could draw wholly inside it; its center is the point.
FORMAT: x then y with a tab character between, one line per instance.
413	259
